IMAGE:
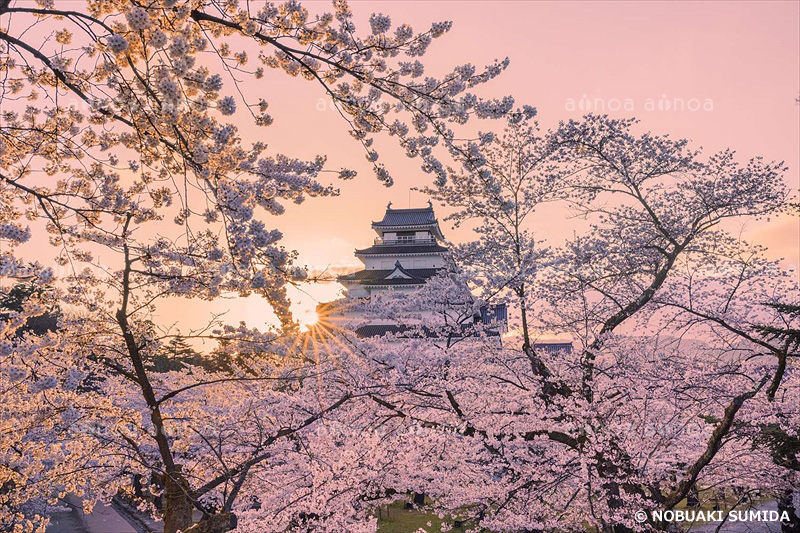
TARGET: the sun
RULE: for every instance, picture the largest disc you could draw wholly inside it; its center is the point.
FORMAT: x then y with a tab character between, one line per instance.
305	306
307	319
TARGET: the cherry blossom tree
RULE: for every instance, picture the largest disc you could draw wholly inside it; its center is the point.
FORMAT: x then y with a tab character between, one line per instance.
671	381
123	143
503	181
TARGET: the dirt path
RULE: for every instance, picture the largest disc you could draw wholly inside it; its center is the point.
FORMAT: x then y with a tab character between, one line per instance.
103	519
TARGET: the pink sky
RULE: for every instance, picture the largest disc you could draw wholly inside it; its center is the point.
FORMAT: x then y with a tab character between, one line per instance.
742	58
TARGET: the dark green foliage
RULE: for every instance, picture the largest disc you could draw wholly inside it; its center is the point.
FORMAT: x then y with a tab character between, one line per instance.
788	335
783	447
15	301
178	355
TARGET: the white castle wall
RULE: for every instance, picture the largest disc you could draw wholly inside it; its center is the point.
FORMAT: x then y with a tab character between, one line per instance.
417	261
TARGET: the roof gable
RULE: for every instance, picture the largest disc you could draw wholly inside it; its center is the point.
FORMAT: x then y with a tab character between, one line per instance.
371	276
398	272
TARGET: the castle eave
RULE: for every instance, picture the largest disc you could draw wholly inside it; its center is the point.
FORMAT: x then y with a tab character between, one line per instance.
382	249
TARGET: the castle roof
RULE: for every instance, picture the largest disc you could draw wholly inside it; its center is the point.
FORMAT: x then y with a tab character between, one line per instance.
414	218
407	217
396	276
425	332
403	249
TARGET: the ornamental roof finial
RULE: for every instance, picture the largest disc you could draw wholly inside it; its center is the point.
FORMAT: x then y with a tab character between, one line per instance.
430	204
388	206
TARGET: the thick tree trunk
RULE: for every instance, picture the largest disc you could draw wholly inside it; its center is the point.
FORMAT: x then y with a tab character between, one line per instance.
177	505
693	498
786	503
218	523
526	336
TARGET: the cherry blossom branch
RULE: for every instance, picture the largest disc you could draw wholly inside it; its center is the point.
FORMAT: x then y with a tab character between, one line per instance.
715	443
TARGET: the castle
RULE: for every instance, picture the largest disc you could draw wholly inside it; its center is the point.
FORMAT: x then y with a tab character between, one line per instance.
405	254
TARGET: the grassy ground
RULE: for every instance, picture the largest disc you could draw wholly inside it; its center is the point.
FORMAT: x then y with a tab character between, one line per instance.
396	519
726	504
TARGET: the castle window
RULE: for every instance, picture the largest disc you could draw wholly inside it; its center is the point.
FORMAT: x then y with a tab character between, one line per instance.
405	236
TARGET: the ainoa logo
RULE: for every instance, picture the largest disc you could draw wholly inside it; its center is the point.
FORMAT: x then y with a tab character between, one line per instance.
665	103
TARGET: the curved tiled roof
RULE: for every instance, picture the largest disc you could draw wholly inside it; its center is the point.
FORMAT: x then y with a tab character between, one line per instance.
379	249
395	281
407	217
377	277
554	348
404	331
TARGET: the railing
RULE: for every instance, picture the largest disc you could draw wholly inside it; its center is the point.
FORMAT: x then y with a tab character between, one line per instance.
378	240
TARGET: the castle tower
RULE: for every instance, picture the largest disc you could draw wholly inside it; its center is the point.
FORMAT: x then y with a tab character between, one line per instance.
405	254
